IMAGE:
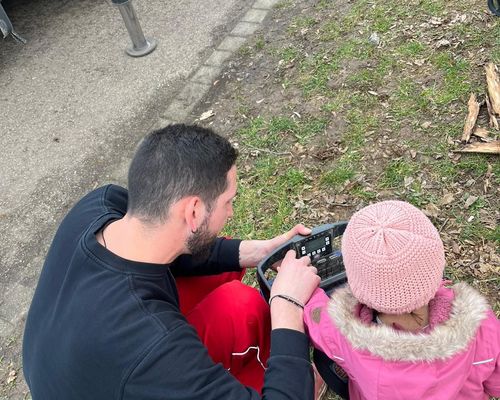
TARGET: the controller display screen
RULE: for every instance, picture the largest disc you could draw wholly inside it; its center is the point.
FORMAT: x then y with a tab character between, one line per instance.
316	246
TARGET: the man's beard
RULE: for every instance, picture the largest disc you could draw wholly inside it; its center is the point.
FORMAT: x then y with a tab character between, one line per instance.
200	243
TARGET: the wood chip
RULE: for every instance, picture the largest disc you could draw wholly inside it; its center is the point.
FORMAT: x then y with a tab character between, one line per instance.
481	132
493	86
493	119
484	148
471	119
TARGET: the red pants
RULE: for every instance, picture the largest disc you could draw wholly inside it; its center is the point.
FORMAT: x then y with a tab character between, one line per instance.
233	322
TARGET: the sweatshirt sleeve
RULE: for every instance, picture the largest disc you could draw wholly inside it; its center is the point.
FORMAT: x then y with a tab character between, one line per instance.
289	374
177	366
224	257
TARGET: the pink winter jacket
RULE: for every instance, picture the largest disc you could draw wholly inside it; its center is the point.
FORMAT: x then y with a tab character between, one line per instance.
458	358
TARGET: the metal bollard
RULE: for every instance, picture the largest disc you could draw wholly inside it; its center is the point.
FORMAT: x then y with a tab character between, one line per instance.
140	45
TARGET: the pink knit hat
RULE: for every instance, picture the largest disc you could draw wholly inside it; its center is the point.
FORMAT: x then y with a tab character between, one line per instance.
394	257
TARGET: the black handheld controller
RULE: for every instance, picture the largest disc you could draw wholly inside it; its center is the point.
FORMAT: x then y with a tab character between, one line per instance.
320	247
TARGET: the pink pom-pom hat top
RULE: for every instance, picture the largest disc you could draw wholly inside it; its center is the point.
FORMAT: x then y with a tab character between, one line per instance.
394	257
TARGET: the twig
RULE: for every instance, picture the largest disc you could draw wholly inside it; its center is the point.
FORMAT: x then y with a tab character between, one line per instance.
443	225
489	280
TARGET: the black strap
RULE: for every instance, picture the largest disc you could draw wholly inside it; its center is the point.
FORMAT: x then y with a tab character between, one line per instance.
328	371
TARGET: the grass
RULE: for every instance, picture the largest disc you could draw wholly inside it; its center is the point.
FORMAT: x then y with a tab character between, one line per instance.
262	134
396	172
338	176
265	199
300	23
288	54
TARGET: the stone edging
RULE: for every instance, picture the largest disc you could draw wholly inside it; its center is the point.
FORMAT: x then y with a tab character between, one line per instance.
201	81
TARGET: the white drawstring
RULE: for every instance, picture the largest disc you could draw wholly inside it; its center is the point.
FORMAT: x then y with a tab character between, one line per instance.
246	351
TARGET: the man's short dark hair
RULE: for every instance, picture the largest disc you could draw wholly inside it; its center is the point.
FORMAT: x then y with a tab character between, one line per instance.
176	162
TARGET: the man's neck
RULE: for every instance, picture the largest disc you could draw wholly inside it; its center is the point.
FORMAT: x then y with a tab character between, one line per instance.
129	238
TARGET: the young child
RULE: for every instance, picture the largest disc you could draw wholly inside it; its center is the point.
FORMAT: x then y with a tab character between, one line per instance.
396	328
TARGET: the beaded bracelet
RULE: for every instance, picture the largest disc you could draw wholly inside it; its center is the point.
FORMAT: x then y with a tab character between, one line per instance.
287	298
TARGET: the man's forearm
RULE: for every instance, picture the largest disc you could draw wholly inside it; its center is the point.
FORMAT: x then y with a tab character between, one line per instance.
251	253
286	315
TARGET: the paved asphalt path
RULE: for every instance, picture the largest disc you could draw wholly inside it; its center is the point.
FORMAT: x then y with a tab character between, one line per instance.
73	106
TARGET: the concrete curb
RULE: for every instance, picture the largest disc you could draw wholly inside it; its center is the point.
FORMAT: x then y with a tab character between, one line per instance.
202	79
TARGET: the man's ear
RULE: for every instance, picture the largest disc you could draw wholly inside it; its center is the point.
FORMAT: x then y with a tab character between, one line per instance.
194	212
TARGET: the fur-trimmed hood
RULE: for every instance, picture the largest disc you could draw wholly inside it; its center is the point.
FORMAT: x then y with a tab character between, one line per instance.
468	310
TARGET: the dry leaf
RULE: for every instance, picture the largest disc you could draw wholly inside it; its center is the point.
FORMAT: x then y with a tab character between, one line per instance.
458	18
340	198
431	210
442	43
374	39
408	181
299	204
436	21
469	182
207	115
470	201
447	199
12	376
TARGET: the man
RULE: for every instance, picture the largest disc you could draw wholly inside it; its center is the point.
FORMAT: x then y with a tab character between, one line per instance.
108	320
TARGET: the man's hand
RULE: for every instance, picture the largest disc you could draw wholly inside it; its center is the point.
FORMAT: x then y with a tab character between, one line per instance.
253	251
296	280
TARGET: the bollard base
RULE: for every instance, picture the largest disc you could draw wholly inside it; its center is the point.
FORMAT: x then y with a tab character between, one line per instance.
148	48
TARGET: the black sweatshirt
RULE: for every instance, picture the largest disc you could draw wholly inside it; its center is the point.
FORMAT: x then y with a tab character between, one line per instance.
101	327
